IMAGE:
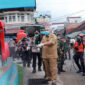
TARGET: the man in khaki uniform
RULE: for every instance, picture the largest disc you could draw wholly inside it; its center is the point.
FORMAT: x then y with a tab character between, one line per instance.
49	55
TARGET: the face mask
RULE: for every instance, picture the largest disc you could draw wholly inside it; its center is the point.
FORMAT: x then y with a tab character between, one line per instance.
28	38
59	37
10	39
36	35
45	33
64	40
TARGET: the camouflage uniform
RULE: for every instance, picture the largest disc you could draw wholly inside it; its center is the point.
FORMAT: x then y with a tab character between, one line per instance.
60	48
66	45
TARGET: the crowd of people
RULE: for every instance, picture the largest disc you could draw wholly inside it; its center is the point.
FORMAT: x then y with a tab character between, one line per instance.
51	51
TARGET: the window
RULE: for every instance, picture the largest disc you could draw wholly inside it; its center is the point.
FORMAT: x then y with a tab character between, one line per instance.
22	18
29	18
10	18
19	18
14	19
5	19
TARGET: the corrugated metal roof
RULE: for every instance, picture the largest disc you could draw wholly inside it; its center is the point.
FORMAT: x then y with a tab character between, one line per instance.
5	4
74	34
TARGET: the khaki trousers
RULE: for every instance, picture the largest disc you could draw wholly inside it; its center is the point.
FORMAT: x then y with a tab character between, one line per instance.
51	69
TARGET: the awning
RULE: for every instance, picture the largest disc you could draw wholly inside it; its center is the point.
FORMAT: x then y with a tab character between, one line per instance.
11	31
72	35
7	4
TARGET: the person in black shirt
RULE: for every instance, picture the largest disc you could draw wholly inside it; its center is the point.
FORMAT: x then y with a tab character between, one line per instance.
23	50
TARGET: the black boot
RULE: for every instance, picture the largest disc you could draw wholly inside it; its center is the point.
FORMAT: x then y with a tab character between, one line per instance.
63	70
59	71
28	65
83	74
24	64
34	70
39	69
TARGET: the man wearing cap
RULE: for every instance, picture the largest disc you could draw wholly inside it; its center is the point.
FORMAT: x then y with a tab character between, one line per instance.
49	55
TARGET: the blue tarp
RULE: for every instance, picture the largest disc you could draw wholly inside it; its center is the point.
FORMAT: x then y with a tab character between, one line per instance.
82	32
5	4
74	34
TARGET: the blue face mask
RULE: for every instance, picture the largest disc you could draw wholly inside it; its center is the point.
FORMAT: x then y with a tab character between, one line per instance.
59	37
45	33
28	38
10	39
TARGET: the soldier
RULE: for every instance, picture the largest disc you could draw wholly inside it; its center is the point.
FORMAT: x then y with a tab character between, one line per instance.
60	49
66	47
49	55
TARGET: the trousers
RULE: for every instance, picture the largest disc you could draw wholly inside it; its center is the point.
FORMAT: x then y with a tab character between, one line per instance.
79	57
35	56
51	69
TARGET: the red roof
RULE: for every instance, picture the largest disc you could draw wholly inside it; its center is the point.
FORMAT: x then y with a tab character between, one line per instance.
71	26
72	17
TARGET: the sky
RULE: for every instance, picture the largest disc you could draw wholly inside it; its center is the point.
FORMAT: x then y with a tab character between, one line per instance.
62	8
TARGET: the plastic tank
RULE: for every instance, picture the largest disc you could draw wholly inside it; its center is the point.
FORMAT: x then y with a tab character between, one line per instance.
21	35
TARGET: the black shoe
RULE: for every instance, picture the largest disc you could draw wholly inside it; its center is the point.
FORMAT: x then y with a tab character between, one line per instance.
54	83
28	65
34	71
59	72
39	69
63	71
79	71
83	74
45	81
24	65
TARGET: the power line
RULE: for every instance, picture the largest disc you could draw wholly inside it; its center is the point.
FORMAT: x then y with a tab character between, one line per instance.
72	13
62	17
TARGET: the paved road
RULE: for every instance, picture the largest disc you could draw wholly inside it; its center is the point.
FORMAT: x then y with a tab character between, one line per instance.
70	77
38	75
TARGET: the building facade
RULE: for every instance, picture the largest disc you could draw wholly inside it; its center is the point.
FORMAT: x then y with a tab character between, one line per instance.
17	14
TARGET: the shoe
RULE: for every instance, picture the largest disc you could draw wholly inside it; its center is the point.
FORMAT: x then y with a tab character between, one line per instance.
83	74
34	71
59	72
54	83
39	69
79	71
63	71
28	65
24	65
45	81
